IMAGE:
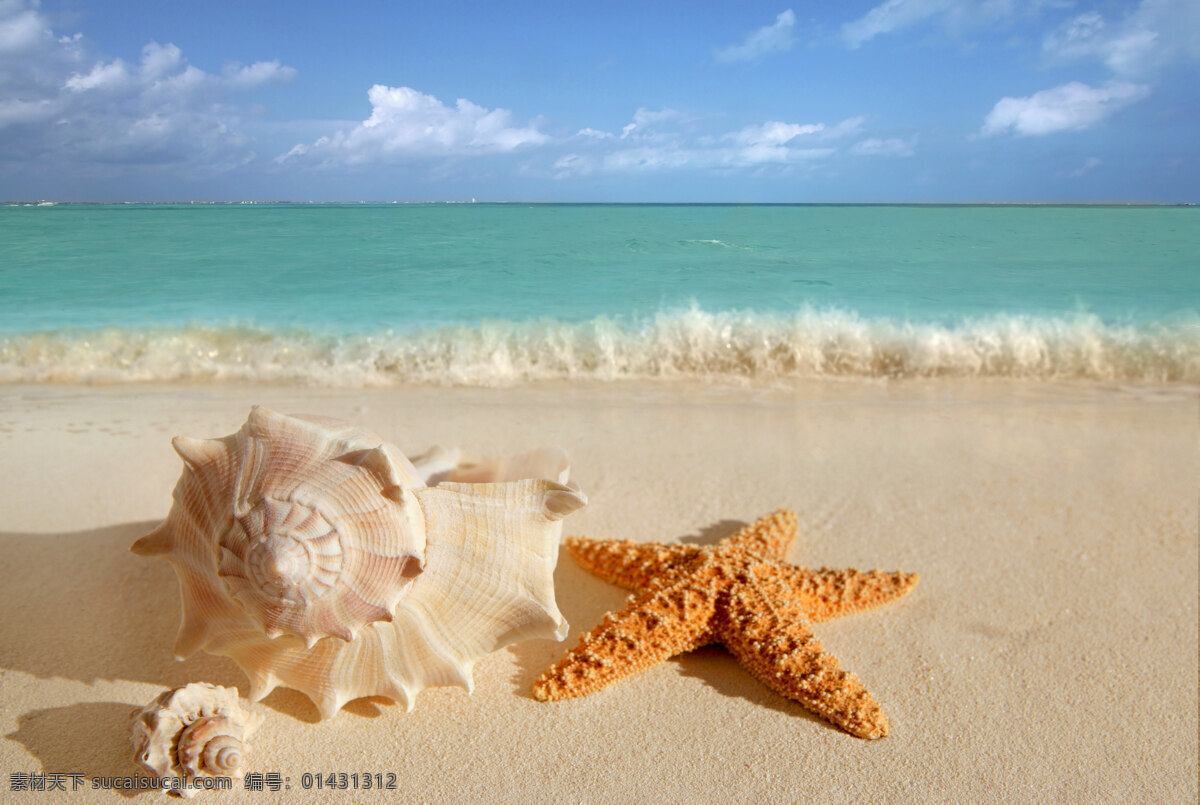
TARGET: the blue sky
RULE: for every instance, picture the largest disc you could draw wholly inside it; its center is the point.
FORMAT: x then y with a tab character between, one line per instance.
904	100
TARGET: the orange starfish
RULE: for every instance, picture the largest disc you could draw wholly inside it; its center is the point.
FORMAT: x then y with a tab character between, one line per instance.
739	593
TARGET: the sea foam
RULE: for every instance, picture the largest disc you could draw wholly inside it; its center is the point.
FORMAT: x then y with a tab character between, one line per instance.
683	344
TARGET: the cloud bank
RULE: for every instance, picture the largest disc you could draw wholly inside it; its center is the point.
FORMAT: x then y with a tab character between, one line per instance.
57	104
408	123
661	140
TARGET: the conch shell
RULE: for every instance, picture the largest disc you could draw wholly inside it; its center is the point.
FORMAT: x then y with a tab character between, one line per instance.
314	554
196	731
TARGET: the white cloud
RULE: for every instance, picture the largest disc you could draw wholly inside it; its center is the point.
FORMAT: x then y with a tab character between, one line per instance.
595	134
774	133
1090	164
651	145
62	108
405	122
1069	107
258	74
957	16
160	61
1153	35
889	16
849	127
891	147
102	76
32	59
570	165
771	38
14	111
22	29
644	121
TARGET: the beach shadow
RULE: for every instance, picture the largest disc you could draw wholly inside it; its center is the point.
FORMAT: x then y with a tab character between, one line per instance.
295	704
711	535
87	740
81	606
718	669
583	600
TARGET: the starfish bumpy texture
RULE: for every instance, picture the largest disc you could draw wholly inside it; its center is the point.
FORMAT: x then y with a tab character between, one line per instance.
739	593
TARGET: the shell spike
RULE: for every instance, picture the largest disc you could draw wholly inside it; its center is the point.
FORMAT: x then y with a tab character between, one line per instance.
380	463
156	542
329	704
196	452
560	500
466	677
261	685
191	639
261	417
195	632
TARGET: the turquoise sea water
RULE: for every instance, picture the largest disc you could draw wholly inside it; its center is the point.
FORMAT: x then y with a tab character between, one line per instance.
494	294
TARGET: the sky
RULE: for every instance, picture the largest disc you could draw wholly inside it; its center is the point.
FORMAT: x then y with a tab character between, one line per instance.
662	101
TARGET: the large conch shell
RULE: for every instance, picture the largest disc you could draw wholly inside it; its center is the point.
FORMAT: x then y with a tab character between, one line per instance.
315	555
192	732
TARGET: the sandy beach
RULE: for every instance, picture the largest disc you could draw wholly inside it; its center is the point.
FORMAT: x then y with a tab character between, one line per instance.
1049	652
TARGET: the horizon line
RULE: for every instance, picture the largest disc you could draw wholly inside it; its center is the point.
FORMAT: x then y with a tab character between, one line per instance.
517	202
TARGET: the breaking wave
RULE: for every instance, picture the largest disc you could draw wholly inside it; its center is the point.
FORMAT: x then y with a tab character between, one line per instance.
688	344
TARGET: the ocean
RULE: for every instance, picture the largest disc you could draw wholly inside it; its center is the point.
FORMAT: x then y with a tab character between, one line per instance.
353	295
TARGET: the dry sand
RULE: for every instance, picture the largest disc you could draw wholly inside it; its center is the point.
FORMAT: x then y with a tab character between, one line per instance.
1048	654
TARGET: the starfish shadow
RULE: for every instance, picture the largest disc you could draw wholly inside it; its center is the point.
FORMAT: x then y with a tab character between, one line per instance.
718	669
714	533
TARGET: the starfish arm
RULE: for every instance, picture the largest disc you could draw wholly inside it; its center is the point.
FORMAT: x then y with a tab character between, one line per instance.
825	594
767	536
786	657
652	627
632	565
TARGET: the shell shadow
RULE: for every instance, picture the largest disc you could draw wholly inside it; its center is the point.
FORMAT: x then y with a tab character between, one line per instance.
583	607
81	606
295	704
89	739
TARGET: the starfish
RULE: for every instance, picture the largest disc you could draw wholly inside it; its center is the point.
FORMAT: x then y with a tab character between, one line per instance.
739	593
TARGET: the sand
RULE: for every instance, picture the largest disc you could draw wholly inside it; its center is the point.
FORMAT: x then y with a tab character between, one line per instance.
1048	654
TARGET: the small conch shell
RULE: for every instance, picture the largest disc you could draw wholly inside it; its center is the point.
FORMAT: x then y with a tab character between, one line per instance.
196	731
315	555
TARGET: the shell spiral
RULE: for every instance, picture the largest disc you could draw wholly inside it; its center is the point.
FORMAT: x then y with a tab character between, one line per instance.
199	730
212	746
314	554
